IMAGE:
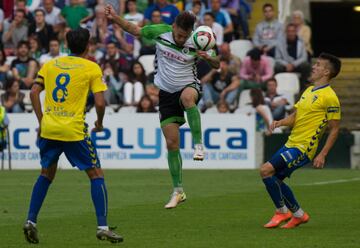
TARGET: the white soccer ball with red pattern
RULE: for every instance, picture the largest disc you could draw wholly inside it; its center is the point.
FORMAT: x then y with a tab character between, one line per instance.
203	38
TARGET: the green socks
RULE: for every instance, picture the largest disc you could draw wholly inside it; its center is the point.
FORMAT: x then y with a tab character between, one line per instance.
193	117
175	166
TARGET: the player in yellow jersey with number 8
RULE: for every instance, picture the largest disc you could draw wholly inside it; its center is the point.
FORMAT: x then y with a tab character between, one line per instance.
67	82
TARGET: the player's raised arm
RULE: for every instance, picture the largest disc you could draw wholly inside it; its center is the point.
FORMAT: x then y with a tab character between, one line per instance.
124	24
288	122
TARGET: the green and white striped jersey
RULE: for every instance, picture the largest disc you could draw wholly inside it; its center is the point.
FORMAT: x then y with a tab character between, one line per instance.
175	67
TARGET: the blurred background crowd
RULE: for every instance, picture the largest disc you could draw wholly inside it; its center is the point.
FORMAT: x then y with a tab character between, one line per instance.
262	73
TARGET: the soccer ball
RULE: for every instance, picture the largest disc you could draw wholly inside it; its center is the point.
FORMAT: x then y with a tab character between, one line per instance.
203	38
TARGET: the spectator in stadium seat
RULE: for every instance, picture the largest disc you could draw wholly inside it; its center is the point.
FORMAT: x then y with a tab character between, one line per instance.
148	45
190	4
291	55
54	52
152	90
238	17
168	11
120	61
52	14
75	14
263	113
255	70
268	32
15	31
21	5
222	107
24	67
13	99
94	54
113	95
234	61
35	47
146	105
220	86
275	101
42	30
303	30
209	20
223	18
4	68
98	26
134	88
133	15
196	11
61	38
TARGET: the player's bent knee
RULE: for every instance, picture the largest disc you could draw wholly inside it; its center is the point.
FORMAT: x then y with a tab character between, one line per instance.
267	170
95	173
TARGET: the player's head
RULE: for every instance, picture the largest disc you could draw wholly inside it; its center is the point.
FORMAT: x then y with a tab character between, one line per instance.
183	26
326	66
78	40
268	10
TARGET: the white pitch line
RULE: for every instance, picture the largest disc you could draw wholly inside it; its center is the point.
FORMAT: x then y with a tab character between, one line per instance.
331	182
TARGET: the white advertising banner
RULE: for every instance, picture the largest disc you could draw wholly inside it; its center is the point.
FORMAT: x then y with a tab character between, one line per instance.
135	141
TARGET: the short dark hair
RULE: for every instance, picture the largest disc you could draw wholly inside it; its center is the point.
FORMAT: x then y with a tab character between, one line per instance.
196	2
267	5
23	43
291	25
255	54
78	40
185	20
335	64
210	14
40	10
271	80
21	11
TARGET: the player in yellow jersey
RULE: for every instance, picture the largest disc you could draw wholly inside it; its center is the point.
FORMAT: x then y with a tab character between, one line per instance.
317	108
67	82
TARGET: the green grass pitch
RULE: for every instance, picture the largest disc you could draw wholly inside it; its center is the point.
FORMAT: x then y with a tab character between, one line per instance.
224	209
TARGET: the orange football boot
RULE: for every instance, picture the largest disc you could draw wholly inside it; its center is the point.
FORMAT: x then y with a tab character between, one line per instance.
294	222
277	219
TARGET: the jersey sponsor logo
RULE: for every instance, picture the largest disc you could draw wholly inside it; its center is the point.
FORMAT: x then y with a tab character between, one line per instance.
333	109
173	56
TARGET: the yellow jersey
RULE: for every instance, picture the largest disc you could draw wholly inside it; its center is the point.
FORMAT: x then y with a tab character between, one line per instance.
314	109
67	82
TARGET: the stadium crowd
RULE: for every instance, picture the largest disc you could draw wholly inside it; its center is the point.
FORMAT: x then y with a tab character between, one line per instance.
31	38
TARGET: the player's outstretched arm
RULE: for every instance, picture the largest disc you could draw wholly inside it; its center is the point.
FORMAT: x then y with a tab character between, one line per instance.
287	122
334	126
35	100
100	111
124	24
